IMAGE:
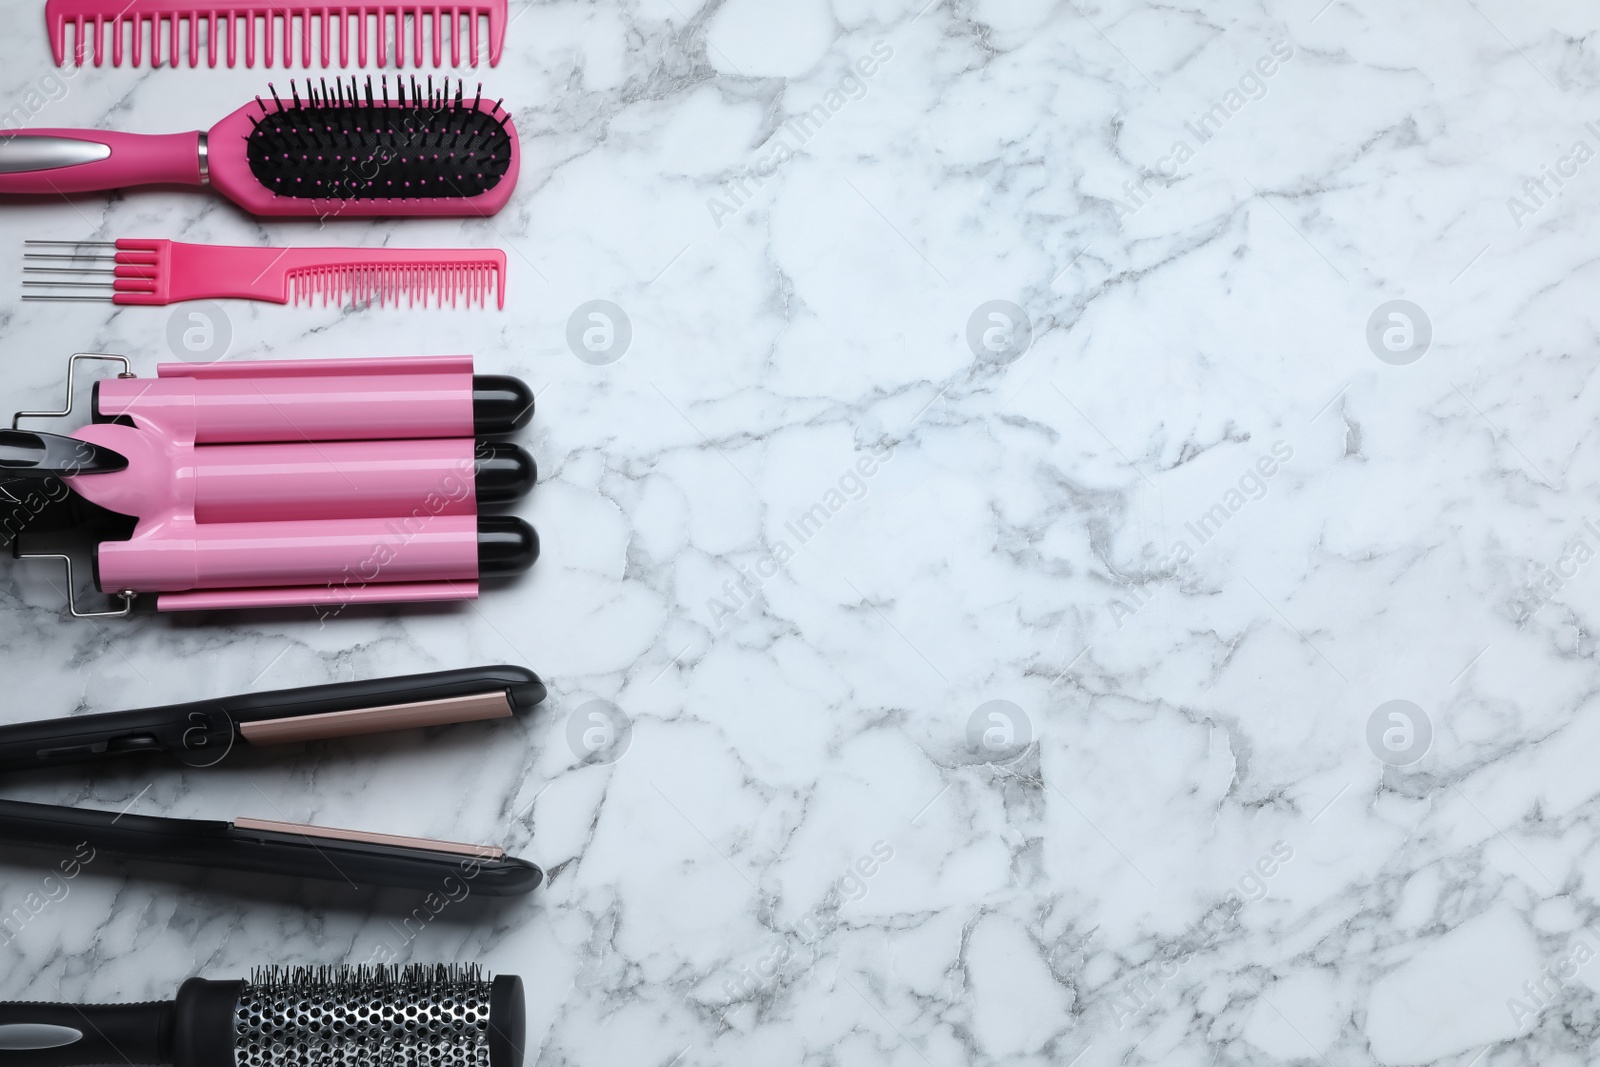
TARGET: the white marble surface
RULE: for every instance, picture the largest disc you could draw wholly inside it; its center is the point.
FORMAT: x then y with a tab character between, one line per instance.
1193	714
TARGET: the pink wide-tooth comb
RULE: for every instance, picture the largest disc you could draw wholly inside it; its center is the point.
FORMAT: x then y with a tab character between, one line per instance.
167	272
218	22
339	152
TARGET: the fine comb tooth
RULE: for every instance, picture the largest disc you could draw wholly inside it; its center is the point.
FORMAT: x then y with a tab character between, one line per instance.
465	283
57	25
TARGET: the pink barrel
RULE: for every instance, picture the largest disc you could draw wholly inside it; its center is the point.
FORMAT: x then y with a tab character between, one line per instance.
349	553
351	407
333	480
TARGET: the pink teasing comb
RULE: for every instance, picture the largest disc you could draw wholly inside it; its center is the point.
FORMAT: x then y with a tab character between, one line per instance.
166	272
217	23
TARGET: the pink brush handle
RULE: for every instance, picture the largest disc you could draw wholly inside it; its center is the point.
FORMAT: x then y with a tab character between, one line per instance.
86	161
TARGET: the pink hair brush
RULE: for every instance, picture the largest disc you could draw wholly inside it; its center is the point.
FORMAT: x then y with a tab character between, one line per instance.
337	152
220	20
137	271
273	483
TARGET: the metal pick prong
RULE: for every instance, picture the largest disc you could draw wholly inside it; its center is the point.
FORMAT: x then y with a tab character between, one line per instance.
84	253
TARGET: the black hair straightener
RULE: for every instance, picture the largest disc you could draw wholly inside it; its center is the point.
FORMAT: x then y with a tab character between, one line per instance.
204	732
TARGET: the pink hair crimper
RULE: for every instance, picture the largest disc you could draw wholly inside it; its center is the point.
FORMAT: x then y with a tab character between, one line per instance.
277	483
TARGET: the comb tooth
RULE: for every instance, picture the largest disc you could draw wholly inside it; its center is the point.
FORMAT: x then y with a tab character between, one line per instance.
136	45
99	41
455	36
472	40
172	42
194	39
324	31
249	20
361	36
211	39
305	39
438	45
383	36
58	34
417	19
230	24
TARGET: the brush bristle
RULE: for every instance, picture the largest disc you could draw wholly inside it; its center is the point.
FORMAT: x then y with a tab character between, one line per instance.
346	144
368	981
434	1015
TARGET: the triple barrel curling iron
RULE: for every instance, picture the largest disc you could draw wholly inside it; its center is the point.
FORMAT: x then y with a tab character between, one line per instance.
278	483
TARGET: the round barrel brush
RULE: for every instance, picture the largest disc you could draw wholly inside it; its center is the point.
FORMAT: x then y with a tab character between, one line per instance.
414	1016
339	151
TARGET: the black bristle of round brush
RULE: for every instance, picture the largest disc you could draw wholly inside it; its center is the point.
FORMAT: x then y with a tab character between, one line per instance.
363	981
322	148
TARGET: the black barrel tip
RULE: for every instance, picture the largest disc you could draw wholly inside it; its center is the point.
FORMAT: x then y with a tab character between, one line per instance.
506	546
504	472
500	403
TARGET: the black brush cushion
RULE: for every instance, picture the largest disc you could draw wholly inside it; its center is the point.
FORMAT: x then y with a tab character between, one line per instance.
350	148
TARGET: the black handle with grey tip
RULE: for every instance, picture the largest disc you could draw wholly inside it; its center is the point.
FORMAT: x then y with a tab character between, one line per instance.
195	1030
